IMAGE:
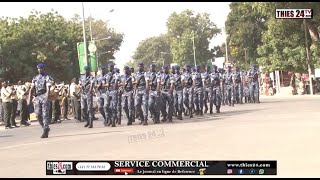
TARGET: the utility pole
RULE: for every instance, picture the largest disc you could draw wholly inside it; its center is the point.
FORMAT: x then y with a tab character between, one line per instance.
84	37
245	56
308	56
194	50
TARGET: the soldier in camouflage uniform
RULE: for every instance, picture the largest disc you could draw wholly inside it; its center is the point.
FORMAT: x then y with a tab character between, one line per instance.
166	82
141	96
127	86
112	81
207	88
228	77
178	92
134	112
198	90
187	91
223	99
253	75
153	80
41	84
238	89
86	82
102	94
216	83
120	91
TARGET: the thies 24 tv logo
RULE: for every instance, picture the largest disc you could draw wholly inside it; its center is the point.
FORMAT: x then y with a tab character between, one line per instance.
59	167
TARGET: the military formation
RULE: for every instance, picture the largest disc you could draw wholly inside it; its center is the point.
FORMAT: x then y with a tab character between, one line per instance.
161	96
147	94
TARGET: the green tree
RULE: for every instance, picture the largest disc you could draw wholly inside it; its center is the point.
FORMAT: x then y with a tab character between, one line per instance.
182	27
153	50
107	47
47	38
283	45
244	28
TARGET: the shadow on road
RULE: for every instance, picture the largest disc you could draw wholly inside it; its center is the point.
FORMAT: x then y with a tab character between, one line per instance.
3	136
84	134
238	112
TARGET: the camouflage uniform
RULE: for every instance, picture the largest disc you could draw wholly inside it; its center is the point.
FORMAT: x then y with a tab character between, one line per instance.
207	91
198	92
86	81
253	74
228	77
42	83
102	96
112	79
154	96
216	99
188	92
141	96
127	105
166	80
238	89
178	92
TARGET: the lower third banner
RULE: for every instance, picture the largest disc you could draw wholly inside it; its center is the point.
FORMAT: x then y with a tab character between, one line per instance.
161	167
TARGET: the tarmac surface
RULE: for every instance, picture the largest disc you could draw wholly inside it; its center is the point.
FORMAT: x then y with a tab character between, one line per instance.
286	129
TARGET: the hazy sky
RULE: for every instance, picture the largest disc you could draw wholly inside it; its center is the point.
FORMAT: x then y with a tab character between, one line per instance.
137	20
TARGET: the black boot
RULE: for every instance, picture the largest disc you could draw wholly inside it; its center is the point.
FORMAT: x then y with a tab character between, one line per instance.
113	122
201	112
190	113
87	124
91	123
145	121
164	119
45	133
217	109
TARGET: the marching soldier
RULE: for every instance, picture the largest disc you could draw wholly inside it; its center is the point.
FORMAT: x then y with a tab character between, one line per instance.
120	91
113	87
223	99
253	75
228	77
86	82
102	94
166	82
207	88
135	115
154	93
127	86
198	90
238	89
141	94
41	84
216	82
188	91
178	92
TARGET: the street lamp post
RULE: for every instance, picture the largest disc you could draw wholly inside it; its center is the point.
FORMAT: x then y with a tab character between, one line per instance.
308	57
84	37
194	50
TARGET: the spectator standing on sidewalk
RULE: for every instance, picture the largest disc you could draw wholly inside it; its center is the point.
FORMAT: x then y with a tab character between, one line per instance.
6	104
14	99
22	93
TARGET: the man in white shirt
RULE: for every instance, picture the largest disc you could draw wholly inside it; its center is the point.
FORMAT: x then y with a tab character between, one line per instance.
22	92
14	99
6	104
75	98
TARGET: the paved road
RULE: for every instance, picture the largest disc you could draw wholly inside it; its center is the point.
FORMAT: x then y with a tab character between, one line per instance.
284	129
